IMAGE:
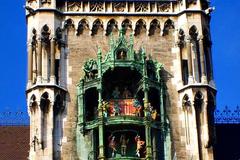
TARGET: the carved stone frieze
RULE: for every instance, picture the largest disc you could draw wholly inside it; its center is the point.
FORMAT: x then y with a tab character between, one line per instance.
119	6
163	7
141	7
74	6
96	6
45	1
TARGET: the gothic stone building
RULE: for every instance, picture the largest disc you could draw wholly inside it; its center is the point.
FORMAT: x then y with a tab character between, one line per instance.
120	79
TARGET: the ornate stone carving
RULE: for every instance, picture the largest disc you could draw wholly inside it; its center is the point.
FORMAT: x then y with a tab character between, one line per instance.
193	32
74	6
181	38
192	1
59	36
91	69
141	7
119	6
45	1
96	6
163	7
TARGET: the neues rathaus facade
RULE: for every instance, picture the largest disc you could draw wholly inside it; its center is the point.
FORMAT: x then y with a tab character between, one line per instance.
120	79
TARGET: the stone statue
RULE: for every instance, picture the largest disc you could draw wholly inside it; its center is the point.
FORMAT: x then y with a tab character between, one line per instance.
90	69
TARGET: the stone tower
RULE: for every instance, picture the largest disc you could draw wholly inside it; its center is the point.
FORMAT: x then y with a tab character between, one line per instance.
127	79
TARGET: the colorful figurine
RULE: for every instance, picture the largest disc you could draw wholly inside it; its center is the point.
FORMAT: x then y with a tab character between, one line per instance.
124	143
112	144
139	145
116	93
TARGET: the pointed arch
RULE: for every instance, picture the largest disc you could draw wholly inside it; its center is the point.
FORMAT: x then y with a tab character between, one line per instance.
69	23
45	106
168	27
126	24
193	32
45	33
82	25
97	24
111	25
154	26
140	26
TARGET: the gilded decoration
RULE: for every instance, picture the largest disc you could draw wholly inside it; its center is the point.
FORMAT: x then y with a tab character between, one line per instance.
74	6
164	7
96	6
119	6
141	7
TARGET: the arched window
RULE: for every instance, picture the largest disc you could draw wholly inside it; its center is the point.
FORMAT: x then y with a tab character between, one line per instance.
112	24
140	27
44	105
168	27
97	25
186	104
154	27
82	25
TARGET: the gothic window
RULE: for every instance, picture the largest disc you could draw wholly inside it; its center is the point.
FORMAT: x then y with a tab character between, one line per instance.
140	27
168	27
45	106
58	110
97	25
210	116
154	27
198	102
126	24
185	71
82	25
45	33
207	53
112	24
186	104
193	32
68	24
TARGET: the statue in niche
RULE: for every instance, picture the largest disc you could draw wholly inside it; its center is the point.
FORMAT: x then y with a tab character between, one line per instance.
105	108
124	141
112	144
126	93
152	112
158	67
116	109
139	144
116	93
122	55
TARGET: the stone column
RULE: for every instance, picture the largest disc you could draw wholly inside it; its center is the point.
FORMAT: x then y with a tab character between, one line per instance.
39	61
52	55
80	103
30	64
202	60
190	68
101	155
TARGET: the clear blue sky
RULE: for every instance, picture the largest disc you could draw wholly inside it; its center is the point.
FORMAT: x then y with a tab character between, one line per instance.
226	53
